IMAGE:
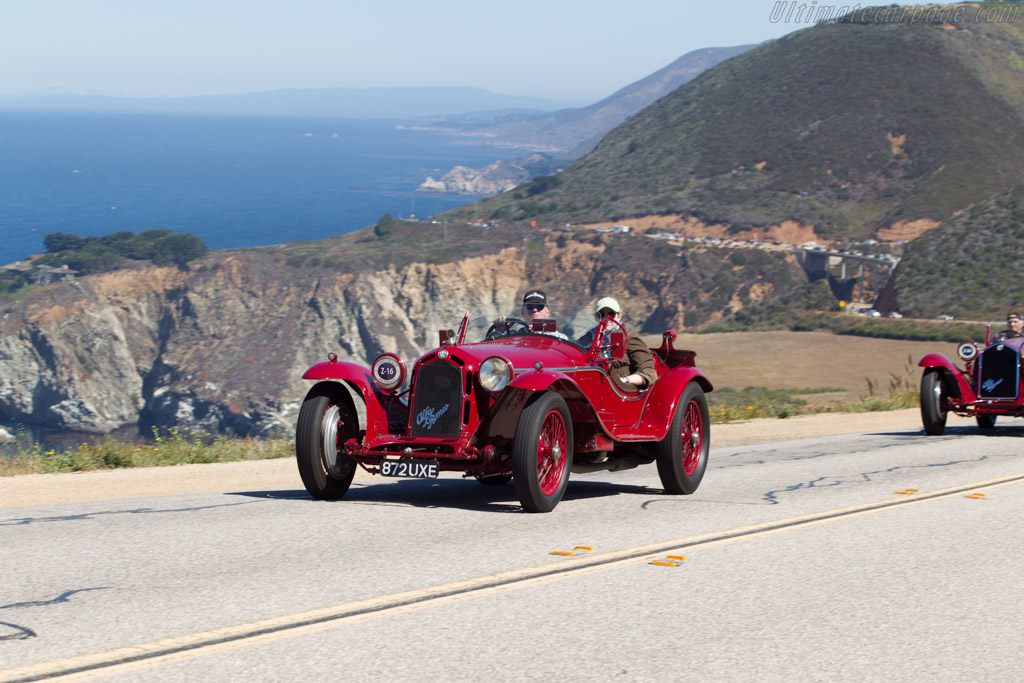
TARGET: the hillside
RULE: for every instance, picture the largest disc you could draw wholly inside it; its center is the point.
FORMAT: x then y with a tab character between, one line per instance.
969	266
856	128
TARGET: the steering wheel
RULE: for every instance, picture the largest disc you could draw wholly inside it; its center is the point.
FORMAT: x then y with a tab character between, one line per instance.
510	324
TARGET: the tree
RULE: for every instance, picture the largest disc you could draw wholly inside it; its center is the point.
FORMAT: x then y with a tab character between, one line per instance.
178	249
62	241
384	227
144	245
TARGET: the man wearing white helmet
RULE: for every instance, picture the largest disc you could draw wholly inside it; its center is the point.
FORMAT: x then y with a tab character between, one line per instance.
636	370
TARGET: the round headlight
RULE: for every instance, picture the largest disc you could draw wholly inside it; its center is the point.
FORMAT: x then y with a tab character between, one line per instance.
967	350
388	371
495	374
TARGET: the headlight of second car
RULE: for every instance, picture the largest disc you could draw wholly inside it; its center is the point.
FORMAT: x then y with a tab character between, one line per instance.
495	374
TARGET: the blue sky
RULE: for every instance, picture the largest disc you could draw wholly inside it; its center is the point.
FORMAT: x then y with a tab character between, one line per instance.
573	50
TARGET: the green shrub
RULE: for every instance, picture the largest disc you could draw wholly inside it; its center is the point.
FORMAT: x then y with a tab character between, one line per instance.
178	249
100	254
384	227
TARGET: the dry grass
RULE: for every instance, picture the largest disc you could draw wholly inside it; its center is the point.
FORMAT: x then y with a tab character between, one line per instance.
171	449
839	372
804	360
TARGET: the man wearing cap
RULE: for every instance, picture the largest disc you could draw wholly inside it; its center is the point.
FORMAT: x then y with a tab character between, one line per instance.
636	370
1014	325
535	307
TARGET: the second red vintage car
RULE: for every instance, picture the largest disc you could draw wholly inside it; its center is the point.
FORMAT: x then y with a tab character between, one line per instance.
989	385
529	404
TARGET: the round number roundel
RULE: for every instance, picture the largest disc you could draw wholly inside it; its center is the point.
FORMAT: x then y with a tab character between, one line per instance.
967	350
388	372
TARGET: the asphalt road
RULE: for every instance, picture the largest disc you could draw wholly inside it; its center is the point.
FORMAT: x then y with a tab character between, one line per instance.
884	556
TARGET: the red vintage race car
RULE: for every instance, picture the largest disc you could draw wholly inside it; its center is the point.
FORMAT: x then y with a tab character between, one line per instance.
988	386
523	400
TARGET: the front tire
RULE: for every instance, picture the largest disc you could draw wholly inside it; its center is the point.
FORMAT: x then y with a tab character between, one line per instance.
682	455
542	452
986	421
327	420
933	402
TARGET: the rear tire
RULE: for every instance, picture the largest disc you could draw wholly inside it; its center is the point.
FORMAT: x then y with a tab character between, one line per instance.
542	452
933	402
683	454
327	420
986	421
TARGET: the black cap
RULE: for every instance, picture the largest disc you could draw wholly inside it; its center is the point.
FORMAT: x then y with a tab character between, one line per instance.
535	296
1013	314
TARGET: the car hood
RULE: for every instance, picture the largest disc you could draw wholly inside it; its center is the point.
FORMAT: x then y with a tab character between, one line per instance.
522	352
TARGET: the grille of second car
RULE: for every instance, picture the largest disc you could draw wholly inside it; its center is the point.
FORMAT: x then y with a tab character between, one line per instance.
437	406
998	370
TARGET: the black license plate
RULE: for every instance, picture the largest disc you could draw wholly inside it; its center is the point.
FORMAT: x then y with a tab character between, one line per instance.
420	469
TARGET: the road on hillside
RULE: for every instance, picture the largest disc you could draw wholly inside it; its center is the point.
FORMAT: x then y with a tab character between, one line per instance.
881	556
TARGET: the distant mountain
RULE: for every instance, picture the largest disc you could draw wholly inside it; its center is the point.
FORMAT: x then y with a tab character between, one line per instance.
850	129
371	103
573	132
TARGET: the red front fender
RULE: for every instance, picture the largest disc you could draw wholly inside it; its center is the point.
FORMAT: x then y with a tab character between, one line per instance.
358	377
936	360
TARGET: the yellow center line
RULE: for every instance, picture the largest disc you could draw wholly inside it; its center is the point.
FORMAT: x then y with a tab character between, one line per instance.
145	655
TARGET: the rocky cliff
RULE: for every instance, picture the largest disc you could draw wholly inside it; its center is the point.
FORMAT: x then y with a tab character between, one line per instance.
491	179
221	347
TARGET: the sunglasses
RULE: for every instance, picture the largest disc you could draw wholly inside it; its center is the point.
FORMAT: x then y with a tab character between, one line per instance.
535	307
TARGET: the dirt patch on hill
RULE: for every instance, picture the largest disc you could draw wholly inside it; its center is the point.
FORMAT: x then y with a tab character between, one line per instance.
786	232
906	230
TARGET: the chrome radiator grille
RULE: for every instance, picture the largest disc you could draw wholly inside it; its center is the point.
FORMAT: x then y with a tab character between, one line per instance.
438	400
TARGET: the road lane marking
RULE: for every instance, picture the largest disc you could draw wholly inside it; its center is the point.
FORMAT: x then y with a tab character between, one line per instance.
203	643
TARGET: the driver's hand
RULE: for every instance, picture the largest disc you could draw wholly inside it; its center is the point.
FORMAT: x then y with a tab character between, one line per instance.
500	325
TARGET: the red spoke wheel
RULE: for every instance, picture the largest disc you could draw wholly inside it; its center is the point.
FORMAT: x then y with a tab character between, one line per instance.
542	453
683	454
327	420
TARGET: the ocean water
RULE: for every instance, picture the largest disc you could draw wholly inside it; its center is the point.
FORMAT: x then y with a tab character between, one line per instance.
233	181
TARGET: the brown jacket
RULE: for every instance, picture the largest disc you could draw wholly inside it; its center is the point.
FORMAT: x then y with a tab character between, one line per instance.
638	359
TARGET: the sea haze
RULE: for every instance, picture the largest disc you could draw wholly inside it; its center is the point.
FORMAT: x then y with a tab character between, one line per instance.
233	181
